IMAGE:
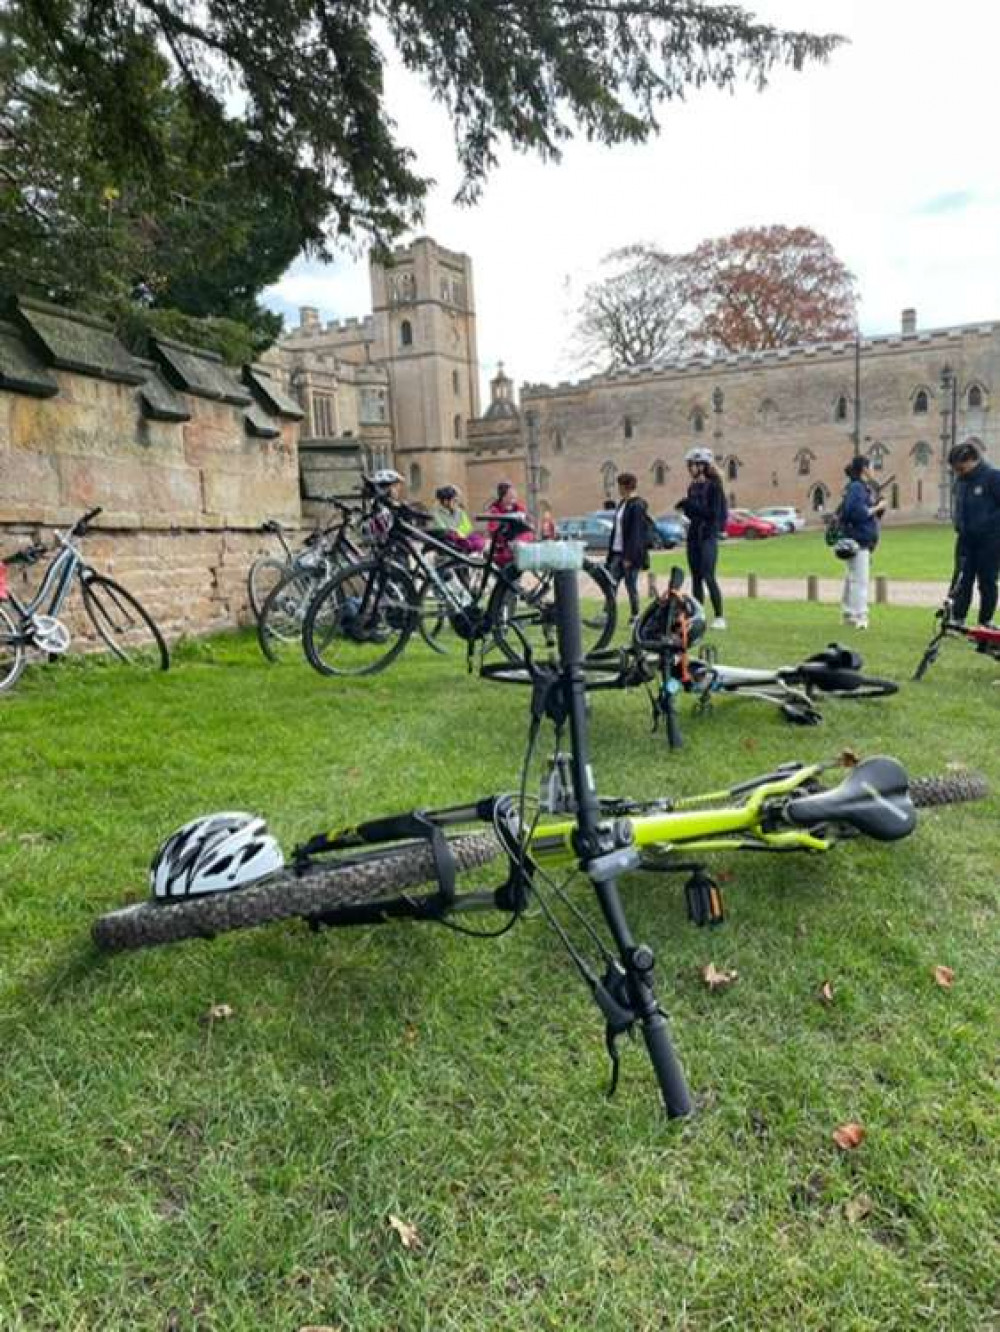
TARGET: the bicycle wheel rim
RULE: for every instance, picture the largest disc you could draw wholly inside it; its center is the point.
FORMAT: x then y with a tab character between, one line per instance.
279	626
522	610
123	624
12	653
360	621
264	576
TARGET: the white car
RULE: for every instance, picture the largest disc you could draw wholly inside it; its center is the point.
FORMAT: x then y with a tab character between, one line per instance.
784	516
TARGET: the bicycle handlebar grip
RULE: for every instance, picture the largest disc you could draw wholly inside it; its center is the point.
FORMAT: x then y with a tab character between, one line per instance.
666	1065
83	523
549	556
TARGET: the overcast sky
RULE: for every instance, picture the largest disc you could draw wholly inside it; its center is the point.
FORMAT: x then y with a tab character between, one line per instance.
889	151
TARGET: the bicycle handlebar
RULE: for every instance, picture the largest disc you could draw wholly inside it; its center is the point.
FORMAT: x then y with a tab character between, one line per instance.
79	528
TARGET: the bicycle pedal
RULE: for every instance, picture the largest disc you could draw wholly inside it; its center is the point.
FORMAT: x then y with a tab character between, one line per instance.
704	900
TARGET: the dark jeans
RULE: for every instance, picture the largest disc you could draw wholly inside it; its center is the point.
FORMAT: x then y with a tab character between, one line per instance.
978	561
630	577
702	553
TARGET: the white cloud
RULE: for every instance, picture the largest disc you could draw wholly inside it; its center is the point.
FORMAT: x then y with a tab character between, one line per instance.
861	149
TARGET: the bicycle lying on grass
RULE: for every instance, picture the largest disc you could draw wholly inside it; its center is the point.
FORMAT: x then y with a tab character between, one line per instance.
985	638
122	624
371	872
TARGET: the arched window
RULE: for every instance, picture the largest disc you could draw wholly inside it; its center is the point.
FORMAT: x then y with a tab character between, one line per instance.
921	402
659	473
406	334
768	411
878	452
818	497
415	477
804	461
733	469
609	473
627	427
975	398
840	410
457	426
922	453
456	382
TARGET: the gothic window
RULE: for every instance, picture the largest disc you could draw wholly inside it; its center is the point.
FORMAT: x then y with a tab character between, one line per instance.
818	497
415	477
921	402
878	454
406	334
698	421
975	398
457	426
609	473
803	461
922	453
627	427
768	411
733	469
456	382
659	473
840	410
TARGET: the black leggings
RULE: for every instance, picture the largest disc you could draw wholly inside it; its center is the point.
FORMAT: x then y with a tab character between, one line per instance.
702	553
978	562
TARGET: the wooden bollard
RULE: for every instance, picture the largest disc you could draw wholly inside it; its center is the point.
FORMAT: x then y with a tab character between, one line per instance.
812	587
881	590
751	585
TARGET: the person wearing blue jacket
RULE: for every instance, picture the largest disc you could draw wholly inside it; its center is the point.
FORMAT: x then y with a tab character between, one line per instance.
860	511
977	522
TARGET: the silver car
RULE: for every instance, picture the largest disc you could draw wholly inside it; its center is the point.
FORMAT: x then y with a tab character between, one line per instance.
784	516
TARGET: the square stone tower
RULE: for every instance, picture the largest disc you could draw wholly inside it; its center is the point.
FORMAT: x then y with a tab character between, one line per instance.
425	336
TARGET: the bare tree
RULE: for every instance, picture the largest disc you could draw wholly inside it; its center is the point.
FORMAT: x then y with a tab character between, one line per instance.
638	314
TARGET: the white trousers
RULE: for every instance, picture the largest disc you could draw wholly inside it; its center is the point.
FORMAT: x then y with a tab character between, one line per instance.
854	598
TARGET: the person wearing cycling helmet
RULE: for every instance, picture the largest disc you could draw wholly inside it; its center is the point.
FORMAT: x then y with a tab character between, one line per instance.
860	511
977	523
705	508
388	483
453	523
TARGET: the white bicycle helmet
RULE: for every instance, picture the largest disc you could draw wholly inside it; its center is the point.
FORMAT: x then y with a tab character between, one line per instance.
699	455
385	476
214	854
846	548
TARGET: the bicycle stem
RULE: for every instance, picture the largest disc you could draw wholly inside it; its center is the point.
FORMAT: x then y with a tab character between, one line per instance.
591	845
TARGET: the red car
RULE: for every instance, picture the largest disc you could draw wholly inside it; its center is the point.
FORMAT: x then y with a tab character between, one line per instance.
743	523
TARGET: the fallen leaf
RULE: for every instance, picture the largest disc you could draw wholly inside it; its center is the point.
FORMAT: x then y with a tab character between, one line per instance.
408	1234
749	743
217	1013
849	1136
856	1209
849	758
716	979
826	993
945	977
410	1033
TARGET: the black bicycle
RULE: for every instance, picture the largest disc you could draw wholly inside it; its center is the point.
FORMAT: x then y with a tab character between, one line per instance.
123	625
416	579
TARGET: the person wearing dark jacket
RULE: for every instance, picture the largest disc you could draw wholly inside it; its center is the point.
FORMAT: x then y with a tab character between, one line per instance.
704	506
628	546
977	522
860	511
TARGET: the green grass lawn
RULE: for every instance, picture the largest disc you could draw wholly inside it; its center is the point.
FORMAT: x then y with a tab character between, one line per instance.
158	1171
909	554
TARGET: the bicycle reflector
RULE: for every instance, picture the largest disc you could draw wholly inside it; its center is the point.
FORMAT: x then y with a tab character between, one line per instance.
549	556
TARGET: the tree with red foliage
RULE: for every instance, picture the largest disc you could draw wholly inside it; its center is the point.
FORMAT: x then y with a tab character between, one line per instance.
764	287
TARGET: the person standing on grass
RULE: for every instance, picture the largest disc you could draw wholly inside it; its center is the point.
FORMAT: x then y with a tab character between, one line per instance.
705	508
628	545
506	502
860	511
977	522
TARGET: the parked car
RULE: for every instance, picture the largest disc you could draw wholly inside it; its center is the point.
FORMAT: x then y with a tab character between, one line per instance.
786	516
743	523
593	529
672	529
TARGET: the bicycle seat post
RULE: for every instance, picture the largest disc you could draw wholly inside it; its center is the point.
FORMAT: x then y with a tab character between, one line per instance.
596	848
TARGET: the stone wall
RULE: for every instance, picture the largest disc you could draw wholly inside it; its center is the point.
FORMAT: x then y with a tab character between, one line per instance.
185	457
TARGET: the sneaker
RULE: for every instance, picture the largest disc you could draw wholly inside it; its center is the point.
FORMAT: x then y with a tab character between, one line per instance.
845	618
718	623
861	624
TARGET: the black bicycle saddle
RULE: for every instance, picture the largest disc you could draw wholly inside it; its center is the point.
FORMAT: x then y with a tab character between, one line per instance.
873	797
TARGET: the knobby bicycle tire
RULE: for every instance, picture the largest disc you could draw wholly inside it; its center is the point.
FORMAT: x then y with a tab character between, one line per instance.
366	877
109	619
13	656
950	788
